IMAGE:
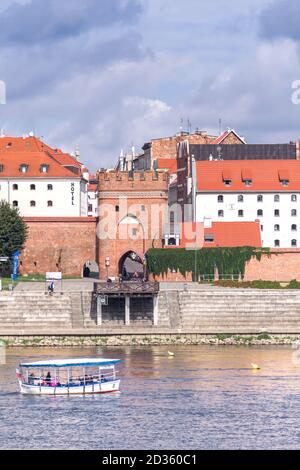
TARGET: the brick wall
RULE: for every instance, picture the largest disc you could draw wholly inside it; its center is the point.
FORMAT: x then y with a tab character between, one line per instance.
281	265
59	244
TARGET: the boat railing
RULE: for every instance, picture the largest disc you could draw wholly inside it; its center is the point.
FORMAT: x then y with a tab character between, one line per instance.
80	380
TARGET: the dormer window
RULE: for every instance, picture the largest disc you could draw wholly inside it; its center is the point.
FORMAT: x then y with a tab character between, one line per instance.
1	168
284	177
247	176
44	168
227	178
23	168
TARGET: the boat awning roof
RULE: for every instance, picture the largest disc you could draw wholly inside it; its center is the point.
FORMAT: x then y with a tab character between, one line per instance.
88	361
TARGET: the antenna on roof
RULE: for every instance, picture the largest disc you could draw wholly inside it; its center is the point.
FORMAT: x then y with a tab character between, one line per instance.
181	125
77	152
189	126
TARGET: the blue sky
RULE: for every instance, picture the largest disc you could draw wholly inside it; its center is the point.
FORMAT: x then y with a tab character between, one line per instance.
106	74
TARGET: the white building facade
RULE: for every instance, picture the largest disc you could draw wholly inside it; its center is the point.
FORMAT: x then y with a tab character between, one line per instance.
268	192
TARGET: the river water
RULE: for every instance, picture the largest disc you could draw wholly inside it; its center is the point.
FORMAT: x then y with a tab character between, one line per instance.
205	397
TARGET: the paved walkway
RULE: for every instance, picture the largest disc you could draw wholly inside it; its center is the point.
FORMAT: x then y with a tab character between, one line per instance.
68	285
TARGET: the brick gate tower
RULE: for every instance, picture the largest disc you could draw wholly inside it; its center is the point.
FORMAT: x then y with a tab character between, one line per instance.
132	212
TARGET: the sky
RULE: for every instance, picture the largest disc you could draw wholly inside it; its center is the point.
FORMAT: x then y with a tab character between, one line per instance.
102	75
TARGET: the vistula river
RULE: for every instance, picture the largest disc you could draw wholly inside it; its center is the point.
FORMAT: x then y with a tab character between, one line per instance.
205	397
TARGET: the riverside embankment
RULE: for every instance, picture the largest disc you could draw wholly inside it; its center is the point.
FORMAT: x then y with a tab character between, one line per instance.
186	313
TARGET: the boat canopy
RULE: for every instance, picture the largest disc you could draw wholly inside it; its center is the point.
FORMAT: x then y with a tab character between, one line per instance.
88	361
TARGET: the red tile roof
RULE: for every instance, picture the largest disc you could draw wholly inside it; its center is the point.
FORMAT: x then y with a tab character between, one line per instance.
223	234
31	151
266	175
234	234
225	134
168	164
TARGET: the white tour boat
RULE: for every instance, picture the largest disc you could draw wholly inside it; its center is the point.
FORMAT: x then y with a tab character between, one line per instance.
68	376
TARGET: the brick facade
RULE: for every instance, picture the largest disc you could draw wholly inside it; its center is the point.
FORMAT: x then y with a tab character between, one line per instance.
132	215
58	244
281	265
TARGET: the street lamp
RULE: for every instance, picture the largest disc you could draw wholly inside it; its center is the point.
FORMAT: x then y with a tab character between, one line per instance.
107	264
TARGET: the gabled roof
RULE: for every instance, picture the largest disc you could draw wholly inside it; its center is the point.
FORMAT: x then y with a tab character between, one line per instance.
225	134
11	166
265	175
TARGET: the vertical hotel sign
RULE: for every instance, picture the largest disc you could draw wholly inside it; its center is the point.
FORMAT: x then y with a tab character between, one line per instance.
73	194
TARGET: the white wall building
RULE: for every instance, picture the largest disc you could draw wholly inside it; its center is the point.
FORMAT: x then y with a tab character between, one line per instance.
40	181
268	191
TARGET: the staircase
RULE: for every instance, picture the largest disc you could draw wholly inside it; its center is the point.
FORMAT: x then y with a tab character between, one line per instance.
34	311
240	311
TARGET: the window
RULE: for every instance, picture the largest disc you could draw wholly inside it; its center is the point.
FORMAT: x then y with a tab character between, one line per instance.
15	204
277	243
15	187
134	232
248	182
293	212
32	204
143	208
294	228
276	212
261	228
260	213
117	208
259	198
294	242
220	199
241	213
50	187
23	168
240	198
227	182
294	197
285	182
50	203
90	208
276	198
32	187
1	168
276	228
209	237
44	168
220	213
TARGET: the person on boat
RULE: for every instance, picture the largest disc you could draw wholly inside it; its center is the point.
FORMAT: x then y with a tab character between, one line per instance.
103	379
48	379
31	378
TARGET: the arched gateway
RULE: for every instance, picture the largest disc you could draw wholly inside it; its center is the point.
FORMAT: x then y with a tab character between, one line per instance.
131	266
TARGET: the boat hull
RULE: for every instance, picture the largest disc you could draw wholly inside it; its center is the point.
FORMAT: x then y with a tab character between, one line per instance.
96	388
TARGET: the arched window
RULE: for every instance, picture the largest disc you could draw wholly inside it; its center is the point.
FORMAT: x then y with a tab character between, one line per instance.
32	204
294	242
294	228
220	198
293	212
15	187
294	197
277	243
259	198
276	228
241	213
276	213
32	187
220	213
260	213
276	198
50	187
15	204
50	204
240	198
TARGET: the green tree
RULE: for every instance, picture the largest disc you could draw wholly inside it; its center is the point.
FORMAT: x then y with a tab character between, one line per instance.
13	230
